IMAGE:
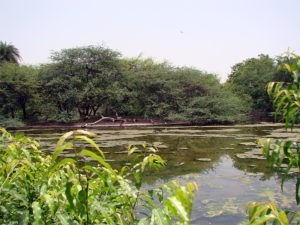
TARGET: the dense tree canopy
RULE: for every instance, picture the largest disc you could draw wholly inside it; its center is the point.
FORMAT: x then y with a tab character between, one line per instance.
18	90
92	81
88	82
162	91
81	78
249	79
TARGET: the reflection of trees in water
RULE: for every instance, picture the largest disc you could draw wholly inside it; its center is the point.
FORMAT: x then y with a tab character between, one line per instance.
253	166
182	153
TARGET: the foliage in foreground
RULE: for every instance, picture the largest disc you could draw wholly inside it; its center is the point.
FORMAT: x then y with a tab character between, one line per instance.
40	189
286	98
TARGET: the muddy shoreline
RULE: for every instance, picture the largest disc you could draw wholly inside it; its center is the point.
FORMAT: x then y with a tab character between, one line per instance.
129	124
81	124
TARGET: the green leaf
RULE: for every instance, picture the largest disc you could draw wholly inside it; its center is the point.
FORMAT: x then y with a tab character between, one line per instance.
176	208
97	158
155	161
160	194
159	217
286	147
144	221
60	148
256	210
64	219
121	221
131	150
270	87
138	179
152	149
91	142
61	163
69	195
63	138
263	219
81	202
287	66
85	132
37	214
283	218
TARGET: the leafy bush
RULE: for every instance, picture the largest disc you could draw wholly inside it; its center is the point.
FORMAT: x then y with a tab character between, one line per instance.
286	98
225	108
10	122
40	189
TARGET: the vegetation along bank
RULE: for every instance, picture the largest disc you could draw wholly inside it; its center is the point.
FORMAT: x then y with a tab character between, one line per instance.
94	82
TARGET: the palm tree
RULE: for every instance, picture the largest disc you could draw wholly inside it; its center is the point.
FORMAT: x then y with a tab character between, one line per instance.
9	53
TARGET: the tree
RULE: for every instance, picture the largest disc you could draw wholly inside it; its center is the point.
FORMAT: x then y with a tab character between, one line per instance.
82	79
222	107
249	79
9	53
18	89
158	90
149	95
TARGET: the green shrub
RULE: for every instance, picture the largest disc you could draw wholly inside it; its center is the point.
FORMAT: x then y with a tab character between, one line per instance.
10	122
40	189
282	155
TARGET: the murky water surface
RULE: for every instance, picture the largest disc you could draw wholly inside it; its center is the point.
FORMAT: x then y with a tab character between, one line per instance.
224	161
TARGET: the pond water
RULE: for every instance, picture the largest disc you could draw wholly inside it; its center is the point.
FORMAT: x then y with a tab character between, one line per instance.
224	161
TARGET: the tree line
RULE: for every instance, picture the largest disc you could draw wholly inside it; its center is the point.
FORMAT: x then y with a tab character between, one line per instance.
92	81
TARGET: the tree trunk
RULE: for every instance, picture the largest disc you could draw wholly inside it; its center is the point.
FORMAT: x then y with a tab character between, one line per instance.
12	111
22	101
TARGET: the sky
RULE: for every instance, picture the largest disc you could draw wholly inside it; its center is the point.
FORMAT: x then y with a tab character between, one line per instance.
209	35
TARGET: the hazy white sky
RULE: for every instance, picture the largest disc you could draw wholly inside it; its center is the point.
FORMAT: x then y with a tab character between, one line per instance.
210	35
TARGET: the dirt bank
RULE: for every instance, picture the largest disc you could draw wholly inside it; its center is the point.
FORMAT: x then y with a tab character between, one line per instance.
102	124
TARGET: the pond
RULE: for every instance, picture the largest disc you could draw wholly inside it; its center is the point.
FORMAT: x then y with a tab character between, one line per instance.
224	161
